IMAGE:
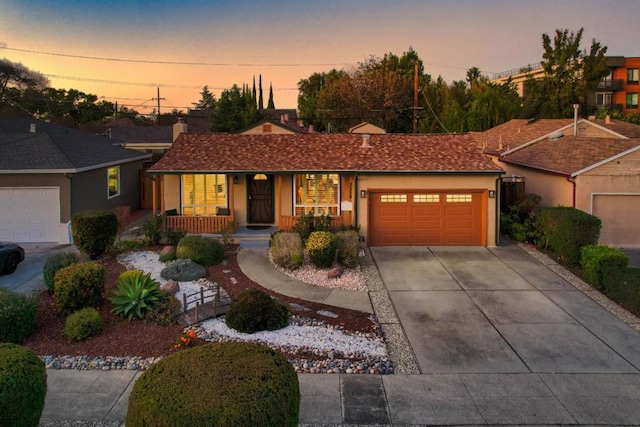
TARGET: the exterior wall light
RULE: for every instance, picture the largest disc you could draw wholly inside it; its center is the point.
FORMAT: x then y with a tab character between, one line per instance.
363	194
236	179
492	194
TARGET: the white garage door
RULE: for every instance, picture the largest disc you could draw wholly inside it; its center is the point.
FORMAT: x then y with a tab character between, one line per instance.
620	215
29	214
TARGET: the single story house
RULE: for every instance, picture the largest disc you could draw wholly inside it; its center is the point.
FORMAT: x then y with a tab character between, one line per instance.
397	189
592	165
49	173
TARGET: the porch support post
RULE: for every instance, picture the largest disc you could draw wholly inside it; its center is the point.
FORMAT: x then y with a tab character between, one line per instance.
231	197
162	209
154	191
278	198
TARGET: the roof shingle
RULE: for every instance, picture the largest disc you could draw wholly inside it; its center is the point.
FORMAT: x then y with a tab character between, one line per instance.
569	154
323	152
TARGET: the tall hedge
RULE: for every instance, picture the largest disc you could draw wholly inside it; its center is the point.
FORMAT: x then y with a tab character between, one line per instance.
94	231
567	230
218	384
594	258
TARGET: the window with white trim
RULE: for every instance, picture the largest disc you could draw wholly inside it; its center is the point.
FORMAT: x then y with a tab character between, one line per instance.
113	181
202	194
316	193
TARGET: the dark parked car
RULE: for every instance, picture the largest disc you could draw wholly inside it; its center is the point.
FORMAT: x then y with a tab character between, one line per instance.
11	255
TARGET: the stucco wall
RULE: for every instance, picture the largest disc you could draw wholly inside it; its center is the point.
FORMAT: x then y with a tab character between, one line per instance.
89	189
618	176
554	189
171	197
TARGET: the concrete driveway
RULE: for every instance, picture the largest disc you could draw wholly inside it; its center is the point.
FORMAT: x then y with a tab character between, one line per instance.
28	276
469	310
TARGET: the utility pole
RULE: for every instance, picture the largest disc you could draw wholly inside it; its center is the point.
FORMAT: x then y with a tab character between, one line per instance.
415	98
158	99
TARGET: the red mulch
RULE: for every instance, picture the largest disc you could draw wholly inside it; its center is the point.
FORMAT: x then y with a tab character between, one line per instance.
121	337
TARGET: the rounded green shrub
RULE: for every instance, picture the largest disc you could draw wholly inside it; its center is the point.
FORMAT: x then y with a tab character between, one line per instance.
83	324
255	311
55	263
202	250
23	386
164	313
17	316
78	286
136	293
218	384
348	248
595	258
94	231
287	250
321	247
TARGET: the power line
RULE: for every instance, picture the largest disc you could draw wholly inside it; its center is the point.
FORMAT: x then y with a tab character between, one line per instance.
145	61
120	82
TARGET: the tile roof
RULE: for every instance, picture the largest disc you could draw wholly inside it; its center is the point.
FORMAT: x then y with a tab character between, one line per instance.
323	152
54	148
569	154
516	132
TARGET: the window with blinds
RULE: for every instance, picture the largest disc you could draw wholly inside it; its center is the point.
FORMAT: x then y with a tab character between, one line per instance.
316	193
202	194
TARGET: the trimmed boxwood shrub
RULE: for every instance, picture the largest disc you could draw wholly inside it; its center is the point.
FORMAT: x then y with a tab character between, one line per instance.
347	248
255	311
94	231
622	285
321	247
218	384
567	230
594	258
78	286
17	316
83	324
201	250
23	386
287	250
55	263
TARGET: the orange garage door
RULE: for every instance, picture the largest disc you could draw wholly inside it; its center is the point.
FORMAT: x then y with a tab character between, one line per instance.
426	218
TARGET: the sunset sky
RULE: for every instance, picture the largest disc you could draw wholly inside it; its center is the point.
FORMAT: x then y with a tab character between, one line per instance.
219	43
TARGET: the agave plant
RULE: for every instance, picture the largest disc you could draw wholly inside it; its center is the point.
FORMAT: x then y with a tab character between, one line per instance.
136	293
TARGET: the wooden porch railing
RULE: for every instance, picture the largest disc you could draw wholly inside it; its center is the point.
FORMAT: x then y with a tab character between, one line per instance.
286	223
197	224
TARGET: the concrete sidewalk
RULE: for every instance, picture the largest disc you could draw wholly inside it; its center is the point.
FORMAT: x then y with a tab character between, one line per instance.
96	398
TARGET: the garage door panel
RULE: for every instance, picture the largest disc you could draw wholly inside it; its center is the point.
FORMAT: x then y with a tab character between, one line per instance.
440	218
620	215
29	214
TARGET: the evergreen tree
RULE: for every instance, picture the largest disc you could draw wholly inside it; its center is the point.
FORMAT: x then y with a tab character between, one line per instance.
253	91
270	104
260	101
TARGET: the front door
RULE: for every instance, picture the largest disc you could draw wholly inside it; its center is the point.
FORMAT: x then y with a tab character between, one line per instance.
260	199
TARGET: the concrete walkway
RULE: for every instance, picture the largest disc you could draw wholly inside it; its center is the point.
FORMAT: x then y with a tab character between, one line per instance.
500	339
255	264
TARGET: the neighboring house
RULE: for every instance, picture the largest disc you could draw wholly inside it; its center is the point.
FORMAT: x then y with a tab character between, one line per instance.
199	120
592	165
366	127
398	189
616	92
285	125
49	173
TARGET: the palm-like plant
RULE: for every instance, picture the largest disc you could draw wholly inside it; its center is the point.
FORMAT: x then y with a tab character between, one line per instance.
136	293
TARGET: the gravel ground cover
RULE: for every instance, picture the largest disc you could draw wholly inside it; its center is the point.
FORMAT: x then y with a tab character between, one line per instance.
319	339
